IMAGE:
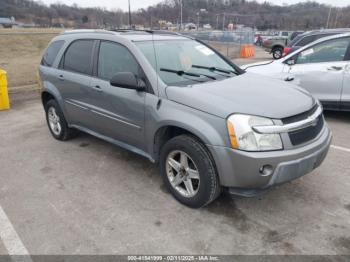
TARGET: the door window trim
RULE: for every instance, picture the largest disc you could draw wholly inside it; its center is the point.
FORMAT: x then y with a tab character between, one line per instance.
61	64
96	53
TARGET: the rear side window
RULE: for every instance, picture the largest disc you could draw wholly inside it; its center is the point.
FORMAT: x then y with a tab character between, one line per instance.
323	35
306	40
51	53
295	40
78	57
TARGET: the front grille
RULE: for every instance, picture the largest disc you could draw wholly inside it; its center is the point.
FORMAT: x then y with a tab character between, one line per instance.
300	117
306	134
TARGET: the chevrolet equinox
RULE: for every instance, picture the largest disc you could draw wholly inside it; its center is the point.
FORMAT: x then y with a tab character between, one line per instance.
207	123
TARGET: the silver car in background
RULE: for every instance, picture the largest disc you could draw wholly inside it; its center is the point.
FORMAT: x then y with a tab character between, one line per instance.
322	68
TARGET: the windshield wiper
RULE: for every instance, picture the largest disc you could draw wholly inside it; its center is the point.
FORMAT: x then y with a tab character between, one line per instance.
213	69
182	73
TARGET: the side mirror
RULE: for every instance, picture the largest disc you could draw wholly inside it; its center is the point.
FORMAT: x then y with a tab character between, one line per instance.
127	80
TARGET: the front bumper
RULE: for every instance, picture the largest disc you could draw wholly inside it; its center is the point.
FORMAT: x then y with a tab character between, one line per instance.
241	171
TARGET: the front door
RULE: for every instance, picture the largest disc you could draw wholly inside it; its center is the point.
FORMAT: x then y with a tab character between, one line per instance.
320	69
119	112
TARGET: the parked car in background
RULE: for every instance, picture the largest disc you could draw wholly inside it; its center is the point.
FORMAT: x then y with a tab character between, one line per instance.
276	44
309	37
181	104
322	68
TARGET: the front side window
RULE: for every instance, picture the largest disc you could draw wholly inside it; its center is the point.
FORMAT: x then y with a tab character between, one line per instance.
329	51
185	62
113	59
51	53
78	57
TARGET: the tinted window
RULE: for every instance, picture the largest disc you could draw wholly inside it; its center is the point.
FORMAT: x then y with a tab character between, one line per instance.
329	51
295	40
114	58
323	35
78	57
51	53
294	35
306	40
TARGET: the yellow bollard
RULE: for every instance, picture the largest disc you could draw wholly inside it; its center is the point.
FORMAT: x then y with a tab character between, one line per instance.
4	96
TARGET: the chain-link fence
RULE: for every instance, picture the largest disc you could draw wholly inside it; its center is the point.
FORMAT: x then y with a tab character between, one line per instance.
226	42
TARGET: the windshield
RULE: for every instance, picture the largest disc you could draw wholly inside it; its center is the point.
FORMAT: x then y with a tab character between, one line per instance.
185	62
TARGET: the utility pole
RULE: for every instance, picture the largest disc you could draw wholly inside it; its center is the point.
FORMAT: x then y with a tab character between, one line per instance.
198	14
217	21
336	17
329	16
223	22
181	14
130	22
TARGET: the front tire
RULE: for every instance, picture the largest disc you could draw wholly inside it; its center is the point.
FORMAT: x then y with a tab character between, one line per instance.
277	53
57	123
189	172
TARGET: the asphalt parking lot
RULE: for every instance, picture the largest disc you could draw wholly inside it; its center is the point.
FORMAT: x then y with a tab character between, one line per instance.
86	196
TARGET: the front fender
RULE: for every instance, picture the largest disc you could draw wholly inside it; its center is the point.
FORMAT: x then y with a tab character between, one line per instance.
210	129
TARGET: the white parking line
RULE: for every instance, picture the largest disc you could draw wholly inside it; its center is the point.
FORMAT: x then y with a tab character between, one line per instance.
341	148
11	240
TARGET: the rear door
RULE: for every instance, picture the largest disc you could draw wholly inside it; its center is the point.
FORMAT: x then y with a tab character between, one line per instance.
74	80
119	113
320	69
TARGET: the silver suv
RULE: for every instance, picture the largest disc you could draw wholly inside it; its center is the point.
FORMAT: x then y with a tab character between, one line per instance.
210	125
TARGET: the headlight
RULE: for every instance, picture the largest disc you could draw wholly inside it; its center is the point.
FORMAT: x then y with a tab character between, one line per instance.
243	137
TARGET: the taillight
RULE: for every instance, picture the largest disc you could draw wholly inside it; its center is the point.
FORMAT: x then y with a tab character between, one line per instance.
286	50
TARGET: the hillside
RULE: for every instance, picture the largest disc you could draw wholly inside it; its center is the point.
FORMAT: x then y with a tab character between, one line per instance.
309	15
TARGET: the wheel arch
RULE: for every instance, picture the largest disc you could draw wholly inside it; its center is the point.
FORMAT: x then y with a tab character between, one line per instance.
46	96
48	92
276	47
168	131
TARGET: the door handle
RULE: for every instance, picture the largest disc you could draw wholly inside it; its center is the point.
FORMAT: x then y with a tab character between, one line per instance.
61	77
335	68
97	88
289	79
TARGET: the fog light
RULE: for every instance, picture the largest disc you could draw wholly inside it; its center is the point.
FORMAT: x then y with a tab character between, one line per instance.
266	170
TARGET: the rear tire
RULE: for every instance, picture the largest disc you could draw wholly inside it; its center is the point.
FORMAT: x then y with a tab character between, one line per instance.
57	123
277	53
189	172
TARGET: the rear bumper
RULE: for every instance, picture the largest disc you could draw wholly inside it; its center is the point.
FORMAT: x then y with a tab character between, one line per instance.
241	171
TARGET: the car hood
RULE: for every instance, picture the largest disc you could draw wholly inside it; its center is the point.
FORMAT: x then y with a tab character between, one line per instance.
247	94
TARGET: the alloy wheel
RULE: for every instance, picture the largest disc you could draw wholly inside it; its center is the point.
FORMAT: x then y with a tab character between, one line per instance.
54	121
182	173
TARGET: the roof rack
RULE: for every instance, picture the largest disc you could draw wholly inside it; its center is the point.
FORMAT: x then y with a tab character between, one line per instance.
148	31
80	31
126	31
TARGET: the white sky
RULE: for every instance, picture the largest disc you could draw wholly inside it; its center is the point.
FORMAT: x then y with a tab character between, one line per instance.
136	4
